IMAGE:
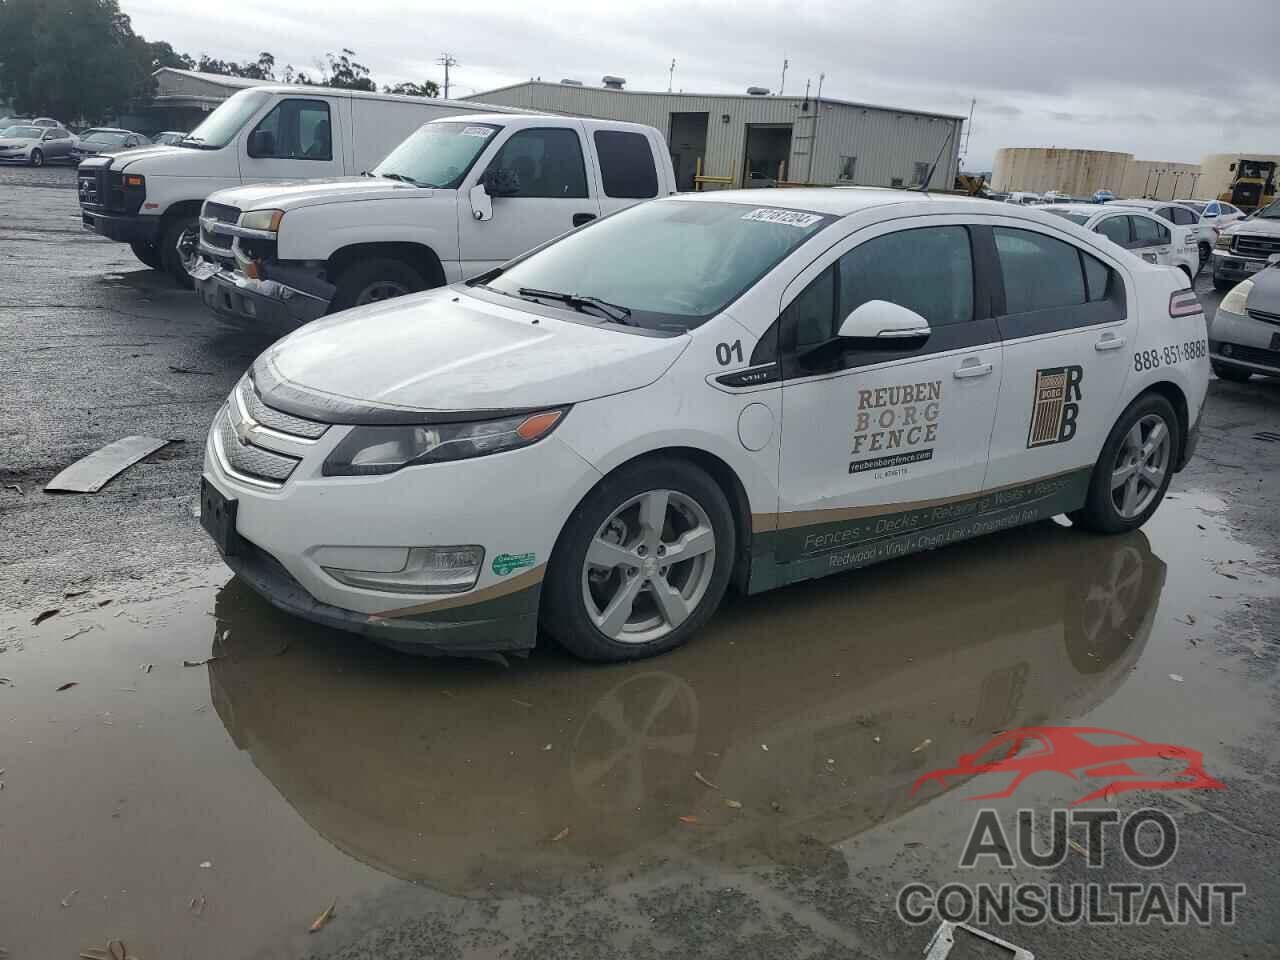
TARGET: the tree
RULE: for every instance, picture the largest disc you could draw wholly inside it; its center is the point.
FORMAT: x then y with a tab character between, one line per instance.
428	88
344	71
261	69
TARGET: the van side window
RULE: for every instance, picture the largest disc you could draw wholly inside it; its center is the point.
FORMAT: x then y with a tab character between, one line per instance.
294	130
626	165
547	160
1039	272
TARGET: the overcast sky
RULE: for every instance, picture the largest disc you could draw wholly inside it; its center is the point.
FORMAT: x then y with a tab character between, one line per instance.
1168	80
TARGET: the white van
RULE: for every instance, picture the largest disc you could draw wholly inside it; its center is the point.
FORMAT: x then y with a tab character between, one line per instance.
150	198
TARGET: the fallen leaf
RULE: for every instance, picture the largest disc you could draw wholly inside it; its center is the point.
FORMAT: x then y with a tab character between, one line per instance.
44	615
67	686
704	781
72	636
1229	576
546	747
734	804
66	901
319	922
876	739
764	747
1176	678
688	819
206	865
1191	619
560	836
922	744
103	603
520	703
912	844
777	807
198	663
147	667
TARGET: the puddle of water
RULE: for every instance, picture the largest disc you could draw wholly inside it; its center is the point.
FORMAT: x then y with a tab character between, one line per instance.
304	764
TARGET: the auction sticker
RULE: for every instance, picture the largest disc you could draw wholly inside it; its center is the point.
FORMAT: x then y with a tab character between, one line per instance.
477	131
792	218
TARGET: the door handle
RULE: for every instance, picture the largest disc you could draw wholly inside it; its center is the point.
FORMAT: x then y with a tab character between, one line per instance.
580	218
1108	341
968	369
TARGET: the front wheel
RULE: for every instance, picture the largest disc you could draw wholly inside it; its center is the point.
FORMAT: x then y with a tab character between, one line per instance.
371	281
178	249
1226	372
148	253
1135	468
642	563
37	157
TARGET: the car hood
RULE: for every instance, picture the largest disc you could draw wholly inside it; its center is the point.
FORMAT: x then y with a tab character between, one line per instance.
447	351
1258	226
17	141
291	194
1265	294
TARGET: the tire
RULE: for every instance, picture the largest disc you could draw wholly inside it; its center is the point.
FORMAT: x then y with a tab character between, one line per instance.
1101	512
37	157
371	281
148	253
1225	371
610	515
1206	253
175	236
1220	284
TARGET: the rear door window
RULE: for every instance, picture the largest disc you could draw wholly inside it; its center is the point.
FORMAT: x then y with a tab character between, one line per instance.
1148	233
626	165
1039	272
1115	229
1183	217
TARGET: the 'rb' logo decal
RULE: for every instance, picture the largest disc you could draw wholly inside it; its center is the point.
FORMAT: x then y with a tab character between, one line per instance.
1055	405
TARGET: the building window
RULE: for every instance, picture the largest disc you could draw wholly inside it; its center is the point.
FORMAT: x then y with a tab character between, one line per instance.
847	166
920	174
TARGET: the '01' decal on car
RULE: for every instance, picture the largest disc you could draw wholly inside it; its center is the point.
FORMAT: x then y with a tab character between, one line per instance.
1055	405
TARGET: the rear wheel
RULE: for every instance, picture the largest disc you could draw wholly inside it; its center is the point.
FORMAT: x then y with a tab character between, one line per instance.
642	563
37	157
148	253
1135	468
371	281
1225	371
178	253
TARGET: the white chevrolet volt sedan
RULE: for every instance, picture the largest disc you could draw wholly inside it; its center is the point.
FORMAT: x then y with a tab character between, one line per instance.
742	387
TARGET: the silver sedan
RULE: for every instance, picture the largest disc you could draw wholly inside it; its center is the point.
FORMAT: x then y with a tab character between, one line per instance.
35	145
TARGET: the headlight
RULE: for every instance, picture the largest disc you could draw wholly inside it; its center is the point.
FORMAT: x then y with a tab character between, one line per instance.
1234	302
1223	242
368	451
262	220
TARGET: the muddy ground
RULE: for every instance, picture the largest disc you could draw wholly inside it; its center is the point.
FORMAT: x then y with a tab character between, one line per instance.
221	773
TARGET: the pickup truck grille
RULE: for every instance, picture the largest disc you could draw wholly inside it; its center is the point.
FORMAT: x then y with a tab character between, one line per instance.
1255	246
224	214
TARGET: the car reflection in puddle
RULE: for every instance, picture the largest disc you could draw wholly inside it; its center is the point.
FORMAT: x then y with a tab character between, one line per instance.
807	707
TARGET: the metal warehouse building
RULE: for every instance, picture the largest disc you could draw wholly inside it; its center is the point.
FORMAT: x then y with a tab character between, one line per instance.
757	139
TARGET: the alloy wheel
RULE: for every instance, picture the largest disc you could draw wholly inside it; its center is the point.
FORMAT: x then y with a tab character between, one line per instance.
1142	463
648	566
381	290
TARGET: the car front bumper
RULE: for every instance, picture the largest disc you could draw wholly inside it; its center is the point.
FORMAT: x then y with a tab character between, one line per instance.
1241	341
122	227
1232	266
261	302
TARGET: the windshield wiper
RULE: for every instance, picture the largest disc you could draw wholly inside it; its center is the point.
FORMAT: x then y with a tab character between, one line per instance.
406	179
613	311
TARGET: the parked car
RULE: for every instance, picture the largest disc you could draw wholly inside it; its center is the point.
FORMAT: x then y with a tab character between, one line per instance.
1103	196
1138	231
151	199
1024	198
36	145
458	197
1246	246
169	138
1182	214
105	141
589	436
1244	336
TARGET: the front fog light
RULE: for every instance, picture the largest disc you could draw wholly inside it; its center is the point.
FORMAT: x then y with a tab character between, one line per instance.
427	570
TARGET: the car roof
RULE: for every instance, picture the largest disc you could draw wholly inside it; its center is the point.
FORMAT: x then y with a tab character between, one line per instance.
1081	209
832	201
107	130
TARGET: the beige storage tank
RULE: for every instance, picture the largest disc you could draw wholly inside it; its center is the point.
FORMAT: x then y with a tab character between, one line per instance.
1077	172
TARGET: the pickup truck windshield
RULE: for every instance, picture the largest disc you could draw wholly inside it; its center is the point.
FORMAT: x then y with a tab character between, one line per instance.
437	154
225	122
673	264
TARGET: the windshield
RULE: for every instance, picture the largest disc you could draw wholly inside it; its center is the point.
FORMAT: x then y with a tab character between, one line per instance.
225	122
437	154
108	139
672	263
1255	170
21	132
1079	218
1270	212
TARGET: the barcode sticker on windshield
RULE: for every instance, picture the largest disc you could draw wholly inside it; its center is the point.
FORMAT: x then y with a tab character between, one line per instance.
476	131
792	218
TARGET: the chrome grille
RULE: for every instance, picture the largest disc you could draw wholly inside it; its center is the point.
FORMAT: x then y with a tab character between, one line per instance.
223	214
249	461
1255	246
273	419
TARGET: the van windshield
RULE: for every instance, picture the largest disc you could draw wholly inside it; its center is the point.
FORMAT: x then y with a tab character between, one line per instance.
225	122
437	154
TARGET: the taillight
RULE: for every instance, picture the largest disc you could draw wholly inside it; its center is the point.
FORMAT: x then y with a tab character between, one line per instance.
1184	303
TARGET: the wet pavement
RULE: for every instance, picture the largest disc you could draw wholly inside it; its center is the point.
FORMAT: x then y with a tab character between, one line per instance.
221	773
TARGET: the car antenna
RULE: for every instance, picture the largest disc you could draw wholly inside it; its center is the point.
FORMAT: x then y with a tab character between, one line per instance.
924	187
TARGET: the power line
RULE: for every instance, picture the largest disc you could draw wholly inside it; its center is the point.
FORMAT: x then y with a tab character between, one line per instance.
446	60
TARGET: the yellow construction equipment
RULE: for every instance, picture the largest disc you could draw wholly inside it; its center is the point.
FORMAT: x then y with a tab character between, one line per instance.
1253	184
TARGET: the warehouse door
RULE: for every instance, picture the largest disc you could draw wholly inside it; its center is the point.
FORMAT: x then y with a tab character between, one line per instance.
768	148
688	142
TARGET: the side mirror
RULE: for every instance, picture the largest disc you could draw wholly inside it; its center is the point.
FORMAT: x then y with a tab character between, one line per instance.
886	322
481	206
500	182
262	143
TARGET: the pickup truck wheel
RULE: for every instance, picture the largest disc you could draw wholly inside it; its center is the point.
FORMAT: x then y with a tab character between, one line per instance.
178	254
371	281
37	157
148	253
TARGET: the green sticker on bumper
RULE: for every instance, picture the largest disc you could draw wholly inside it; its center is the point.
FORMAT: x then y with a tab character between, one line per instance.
505	563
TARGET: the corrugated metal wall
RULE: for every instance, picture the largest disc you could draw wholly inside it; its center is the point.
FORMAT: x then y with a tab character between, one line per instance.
887	143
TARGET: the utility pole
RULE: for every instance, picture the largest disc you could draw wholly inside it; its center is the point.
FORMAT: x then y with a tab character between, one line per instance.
446	60
671	74
1145	191
782	85
1155	194
1192	192
813	130
968	129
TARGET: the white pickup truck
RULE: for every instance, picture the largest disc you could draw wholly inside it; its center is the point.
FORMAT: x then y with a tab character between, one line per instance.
458	197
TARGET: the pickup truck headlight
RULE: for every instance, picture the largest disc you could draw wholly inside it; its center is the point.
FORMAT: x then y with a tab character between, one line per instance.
370	451
1222	242
1234	302
262	220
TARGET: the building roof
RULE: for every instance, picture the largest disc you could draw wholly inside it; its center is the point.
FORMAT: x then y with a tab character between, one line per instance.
717	96
220	79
